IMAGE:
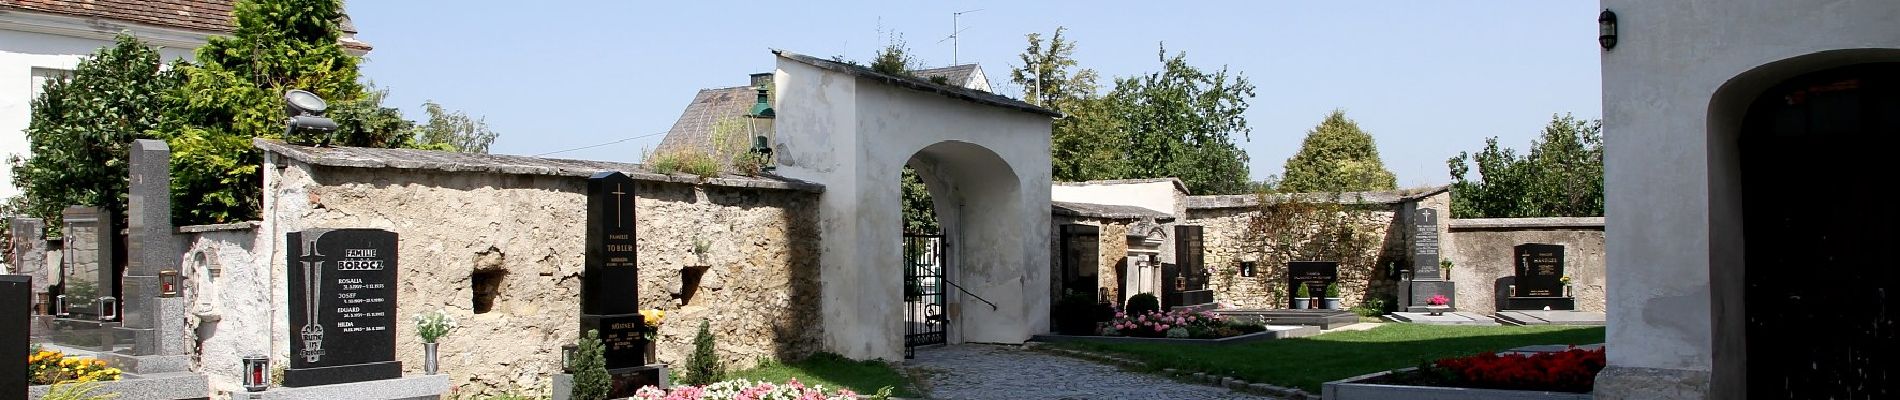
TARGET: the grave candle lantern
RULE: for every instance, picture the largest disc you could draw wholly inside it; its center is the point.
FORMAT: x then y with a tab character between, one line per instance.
108	308
256	373
567	358
168	283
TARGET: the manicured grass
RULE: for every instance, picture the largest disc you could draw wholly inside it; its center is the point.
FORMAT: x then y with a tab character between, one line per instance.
834	371
1308	362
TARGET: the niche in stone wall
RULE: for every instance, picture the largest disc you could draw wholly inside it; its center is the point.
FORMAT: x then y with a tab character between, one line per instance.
486	285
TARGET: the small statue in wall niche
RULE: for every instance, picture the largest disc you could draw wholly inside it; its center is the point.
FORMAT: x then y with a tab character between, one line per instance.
202	288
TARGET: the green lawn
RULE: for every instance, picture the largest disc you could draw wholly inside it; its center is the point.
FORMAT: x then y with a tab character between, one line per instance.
833	371
1308	362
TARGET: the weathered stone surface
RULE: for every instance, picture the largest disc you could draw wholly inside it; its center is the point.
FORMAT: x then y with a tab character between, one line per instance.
410	159
1482	251
1224	233
1617	383
763	252
983	372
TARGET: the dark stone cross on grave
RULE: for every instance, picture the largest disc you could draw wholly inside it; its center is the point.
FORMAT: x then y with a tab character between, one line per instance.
610	283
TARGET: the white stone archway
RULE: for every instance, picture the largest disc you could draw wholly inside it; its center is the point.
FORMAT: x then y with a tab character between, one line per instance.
986	160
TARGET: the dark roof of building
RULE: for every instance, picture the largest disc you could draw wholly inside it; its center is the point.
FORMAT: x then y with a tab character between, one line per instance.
694	130
1106	211
1350	198
1178	185
210	16
958	75
363	157
919	84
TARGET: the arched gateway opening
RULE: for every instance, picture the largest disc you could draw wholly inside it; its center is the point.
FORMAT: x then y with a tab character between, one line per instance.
984	159
975	202
1820	291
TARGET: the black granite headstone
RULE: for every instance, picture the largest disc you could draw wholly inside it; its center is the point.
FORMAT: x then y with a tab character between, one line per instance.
1315	275
342	306
1540	270
16	299
610	280
1425	245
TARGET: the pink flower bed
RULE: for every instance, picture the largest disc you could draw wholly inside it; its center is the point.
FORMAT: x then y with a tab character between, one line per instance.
740	389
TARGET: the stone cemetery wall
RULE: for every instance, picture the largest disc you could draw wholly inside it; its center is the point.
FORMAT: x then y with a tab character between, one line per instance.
1482	257
507	234
1226	218
230	302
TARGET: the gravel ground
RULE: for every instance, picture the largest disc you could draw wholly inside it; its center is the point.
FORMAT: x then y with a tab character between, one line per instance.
983	372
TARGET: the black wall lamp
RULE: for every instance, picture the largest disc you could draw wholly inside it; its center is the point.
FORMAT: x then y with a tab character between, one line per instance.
1606	29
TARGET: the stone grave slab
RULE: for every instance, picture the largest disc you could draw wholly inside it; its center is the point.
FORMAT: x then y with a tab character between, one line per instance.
1324	319
1553	317
342	306
1538	281
16	297
610	281
1449	318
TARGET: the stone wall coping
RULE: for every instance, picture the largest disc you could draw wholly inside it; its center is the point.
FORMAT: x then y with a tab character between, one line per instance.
1372	197
234	226
362	157
1528	223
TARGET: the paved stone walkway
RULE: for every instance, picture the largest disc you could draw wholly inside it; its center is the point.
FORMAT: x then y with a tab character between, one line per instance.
983	372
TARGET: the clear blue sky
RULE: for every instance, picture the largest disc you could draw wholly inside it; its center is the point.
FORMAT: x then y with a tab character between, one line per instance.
1427	79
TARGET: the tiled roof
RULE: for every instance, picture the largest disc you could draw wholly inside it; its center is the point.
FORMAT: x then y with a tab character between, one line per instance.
210	16
955	92
199	15
1106	211
694	130
955	74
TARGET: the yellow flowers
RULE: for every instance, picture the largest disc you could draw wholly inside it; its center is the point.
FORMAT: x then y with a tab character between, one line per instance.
45	367
652	317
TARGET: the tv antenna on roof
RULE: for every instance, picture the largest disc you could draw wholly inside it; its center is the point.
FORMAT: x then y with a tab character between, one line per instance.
955	28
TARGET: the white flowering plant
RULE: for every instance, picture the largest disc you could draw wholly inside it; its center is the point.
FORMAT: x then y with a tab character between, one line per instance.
433	325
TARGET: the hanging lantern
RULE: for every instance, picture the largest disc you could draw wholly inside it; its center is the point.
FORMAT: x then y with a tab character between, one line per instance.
256	373
59	307
168	283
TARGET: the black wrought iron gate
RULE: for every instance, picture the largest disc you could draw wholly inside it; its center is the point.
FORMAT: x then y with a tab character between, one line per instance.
924	306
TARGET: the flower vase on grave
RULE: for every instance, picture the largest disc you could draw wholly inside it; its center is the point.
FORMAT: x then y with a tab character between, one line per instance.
652	355
428	358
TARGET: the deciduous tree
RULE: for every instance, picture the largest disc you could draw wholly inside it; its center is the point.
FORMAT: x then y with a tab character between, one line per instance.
1181	122
1337	156
1561	177
81	129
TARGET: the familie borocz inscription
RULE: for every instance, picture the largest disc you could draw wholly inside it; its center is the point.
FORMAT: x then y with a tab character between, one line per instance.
342	306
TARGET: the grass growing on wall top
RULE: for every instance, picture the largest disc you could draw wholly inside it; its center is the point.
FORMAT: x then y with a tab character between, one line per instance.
1307	363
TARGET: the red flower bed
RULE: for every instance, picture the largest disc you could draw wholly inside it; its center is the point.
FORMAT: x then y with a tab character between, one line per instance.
1574	370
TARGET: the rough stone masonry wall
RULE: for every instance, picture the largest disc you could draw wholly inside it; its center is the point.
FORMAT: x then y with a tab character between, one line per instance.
760	294
1224	238
1482	256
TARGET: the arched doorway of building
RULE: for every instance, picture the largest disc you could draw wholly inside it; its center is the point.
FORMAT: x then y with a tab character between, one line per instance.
1820	292
973	196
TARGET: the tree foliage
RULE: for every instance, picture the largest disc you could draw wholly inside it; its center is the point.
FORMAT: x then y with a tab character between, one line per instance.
81	131
1337	156
1561	177
234	93
1181	122
454	130
1083	143
920	216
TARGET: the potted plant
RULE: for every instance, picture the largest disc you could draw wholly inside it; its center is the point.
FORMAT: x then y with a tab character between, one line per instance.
652	318
1302	298
432	326
1437	304
1332	296
1566	282
1446	266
